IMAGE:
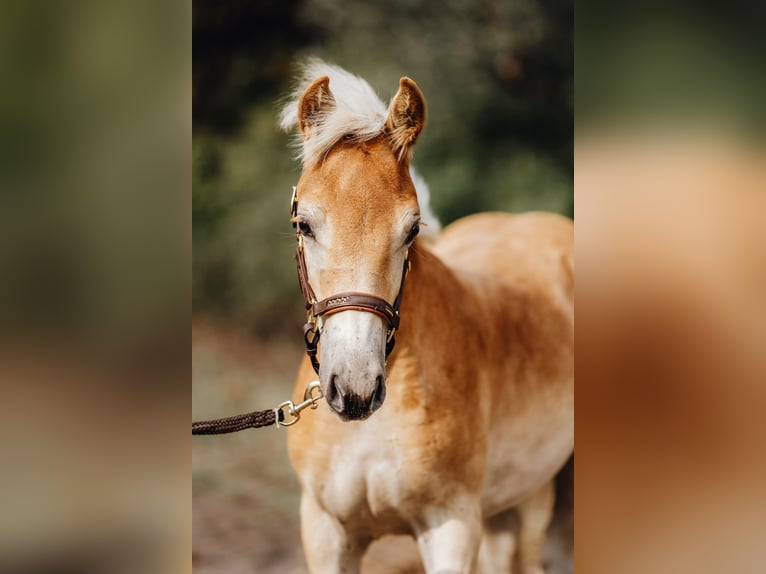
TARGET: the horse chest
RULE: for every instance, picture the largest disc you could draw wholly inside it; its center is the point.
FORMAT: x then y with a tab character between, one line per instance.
370	484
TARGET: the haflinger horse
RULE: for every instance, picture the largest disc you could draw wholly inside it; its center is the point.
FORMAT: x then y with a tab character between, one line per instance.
470	414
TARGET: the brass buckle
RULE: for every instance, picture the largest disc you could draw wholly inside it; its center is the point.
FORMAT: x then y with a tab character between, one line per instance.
408	262
293	202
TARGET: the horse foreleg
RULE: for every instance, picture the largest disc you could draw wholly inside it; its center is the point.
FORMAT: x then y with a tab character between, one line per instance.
535	513
328	547
449	539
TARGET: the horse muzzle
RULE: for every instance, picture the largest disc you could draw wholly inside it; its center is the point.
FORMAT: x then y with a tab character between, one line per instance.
353	372
352	406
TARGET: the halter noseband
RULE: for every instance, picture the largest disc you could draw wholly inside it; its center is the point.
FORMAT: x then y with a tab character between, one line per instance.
346	301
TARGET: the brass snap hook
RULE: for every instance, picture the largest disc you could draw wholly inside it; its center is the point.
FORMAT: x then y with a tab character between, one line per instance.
289	409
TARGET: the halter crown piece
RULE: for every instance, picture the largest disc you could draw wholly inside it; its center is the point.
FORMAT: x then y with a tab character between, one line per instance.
346	301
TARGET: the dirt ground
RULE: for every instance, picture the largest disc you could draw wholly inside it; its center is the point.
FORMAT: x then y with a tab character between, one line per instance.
245	494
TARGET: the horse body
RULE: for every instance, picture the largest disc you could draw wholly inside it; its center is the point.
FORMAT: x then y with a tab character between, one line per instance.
478	410
520	268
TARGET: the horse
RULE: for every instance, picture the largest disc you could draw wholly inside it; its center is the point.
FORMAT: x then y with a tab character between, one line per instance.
446	359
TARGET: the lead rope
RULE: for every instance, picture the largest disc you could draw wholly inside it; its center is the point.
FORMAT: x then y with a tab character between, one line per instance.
284	415
254	420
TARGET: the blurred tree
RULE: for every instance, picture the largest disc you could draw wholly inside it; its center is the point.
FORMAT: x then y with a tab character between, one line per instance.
242	53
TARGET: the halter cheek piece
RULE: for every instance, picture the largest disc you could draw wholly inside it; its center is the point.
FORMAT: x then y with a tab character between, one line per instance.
347	301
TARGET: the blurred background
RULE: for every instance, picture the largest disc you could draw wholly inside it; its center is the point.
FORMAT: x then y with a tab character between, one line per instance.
498	80
95	267
670	245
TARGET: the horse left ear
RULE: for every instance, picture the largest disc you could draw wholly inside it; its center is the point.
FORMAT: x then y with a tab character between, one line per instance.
406	117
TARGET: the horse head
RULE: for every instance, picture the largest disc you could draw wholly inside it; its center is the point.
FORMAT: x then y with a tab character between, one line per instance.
356	214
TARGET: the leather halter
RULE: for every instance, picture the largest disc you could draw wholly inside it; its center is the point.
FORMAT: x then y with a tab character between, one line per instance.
346	301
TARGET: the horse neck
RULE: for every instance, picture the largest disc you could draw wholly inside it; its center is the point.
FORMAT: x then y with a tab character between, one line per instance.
435	307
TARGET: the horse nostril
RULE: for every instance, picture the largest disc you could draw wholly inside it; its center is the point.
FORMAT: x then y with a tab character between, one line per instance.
380	393
334	396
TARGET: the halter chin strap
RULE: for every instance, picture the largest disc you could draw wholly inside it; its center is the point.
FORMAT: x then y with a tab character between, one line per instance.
347	301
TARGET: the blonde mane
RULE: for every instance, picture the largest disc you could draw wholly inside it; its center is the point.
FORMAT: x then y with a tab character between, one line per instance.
359	114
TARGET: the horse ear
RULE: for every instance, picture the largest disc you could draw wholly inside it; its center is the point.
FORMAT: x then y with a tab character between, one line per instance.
315	102
406	117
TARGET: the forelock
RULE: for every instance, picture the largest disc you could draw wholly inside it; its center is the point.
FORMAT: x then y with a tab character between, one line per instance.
359	114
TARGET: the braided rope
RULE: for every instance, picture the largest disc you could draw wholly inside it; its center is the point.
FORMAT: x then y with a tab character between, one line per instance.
253	420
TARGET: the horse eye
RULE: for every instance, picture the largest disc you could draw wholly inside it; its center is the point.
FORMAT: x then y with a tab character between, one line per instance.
305	229
413	233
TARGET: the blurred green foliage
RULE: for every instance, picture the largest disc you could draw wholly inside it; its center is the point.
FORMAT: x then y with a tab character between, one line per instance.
675	65
94	154
497	76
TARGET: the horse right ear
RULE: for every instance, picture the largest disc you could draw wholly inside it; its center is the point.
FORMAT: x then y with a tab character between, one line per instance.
406	117
317	100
